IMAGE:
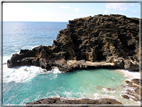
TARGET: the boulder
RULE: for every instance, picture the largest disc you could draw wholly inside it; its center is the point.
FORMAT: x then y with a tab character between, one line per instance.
125	96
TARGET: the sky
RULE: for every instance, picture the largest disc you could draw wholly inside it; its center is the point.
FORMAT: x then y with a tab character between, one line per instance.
63	12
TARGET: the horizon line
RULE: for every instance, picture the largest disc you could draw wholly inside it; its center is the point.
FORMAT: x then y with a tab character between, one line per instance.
35	21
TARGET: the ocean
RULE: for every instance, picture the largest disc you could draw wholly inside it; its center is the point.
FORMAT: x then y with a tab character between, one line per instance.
29	83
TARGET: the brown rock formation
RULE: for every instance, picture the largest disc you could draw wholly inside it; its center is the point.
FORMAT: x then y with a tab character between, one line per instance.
110	38
74	101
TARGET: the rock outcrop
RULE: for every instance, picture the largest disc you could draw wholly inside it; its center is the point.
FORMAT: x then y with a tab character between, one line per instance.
74	101
133	89
110	38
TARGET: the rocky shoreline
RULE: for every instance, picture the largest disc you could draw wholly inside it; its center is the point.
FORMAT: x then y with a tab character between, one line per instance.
109	38
101	41
132	90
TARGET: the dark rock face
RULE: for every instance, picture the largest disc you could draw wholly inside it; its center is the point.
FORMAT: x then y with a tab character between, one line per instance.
96	38
75	101
110	38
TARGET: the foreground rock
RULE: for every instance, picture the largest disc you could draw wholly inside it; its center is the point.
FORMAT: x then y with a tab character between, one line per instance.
76	101
109	38
132	90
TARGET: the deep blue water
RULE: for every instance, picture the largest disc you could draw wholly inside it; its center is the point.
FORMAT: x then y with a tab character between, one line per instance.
26	35
20	86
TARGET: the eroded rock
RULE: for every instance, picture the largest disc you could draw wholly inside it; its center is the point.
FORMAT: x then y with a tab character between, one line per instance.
94	39
74	101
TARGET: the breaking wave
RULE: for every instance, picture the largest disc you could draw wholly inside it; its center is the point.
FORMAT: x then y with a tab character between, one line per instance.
23	73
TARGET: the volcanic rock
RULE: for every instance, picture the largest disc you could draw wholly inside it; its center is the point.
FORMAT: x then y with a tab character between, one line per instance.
74	101
110	38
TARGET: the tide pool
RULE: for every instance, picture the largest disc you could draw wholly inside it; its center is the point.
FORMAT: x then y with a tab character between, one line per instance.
77	84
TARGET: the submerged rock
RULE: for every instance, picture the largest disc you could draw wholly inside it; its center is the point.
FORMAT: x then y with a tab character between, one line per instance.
110	38
125	96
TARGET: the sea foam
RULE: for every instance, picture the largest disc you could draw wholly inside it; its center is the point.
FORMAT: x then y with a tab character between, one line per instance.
23	73
19	74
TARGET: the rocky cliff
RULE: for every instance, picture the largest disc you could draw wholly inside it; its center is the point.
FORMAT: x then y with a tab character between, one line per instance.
109	38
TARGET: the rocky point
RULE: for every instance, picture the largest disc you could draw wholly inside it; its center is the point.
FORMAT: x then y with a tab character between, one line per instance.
102	38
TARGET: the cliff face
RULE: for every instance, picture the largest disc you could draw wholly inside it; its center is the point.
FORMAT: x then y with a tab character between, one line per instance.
96	38
110	38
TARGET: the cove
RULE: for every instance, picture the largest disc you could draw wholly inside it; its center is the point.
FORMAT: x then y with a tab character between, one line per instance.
93	84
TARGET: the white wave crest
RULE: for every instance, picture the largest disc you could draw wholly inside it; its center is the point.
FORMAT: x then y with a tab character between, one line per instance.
107	91
20	74
54	70
24	73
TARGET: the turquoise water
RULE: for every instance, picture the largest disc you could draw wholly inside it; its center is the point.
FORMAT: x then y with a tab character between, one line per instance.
77	84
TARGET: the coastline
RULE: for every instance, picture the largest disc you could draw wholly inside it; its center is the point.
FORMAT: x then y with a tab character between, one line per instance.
109	38
102	41
133	87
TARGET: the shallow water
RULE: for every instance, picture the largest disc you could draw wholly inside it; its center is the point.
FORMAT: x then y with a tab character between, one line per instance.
33	84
